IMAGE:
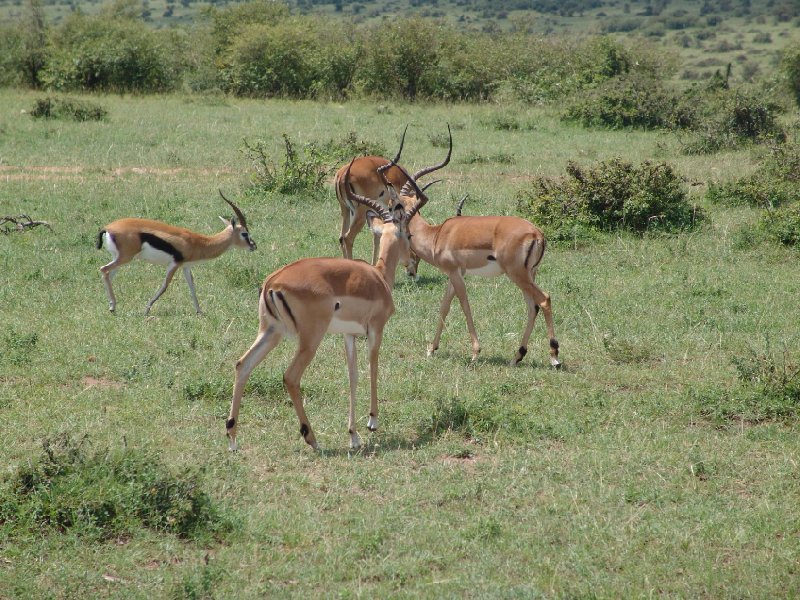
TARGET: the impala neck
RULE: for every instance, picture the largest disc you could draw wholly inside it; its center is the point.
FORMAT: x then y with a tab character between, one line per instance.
423	237
389	253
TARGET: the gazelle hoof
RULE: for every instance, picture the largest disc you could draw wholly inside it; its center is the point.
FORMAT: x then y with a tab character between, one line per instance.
431	350
556	364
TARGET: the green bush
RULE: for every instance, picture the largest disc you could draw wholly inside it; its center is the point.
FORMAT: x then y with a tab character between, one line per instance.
775	183
106	54
782	224
790	68
301	172
106	492
727	119
51	107
633	101
611	195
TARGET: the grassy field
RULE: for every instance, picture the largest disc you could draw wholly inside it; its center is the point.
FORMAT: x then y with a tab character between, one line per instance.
644	467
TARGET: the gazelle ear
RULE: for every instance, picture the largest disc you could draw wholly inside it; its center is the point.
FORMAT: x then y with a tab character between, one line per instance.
224	220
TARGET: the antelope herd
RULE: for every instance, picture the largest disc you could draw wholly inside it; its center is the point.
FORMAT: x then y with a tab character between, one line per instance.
310	297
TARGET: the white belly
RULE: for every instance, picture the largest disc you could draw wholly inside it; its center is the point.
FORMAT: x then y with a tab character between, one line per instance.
153	255
491	269
349	327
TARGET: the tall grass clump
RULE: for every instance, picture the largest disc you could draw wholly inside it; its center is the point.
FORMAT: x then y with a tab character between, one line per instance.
102	493
610	195
55	107
767	389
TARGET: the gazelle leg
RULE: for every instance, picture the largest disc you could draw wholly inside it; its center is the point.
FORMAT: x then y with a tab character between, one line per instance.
170	273
266	340
108	274
187	273
457	280
306	350
444	309
352	373
374	337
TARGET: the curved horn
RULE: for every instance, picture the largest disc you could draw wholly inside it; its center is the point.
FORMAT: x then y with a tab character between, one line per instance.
422	199
460	205
388	165
236	210
355	197
446	160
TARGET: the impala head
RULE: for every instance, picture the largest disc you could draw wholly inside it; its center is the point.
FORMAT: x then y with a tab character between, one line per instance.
241	235
385	222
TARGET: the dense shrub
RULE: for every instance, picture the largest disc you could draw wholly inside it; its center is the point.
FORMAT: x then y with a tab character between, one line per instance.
51	107
106	492
775	183
726	119
108	54
611	195
11	56
790	67
302	171
782	224
634	101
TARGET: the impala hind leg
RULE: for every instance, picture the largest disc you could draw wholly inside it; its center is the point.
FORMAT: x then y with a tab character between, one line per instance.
265	342
306	350
374	337
352	373
536	300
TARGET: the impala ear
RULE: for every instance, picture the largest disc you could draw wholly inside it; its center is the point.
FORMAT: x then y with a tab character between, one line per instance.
374	222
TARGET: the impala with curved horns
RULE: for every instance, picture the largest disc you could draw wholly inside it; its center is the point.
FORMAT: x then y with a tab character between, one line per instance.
314	296
158	243
368	175
485	246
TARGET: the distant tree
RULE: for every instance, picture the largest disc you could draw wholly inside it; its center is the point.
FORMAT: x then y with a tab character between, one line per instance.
790	67
33	43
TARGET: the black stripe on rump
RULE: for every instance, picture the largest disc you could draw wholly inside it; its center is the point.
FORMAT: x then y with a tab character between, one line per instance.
163	245
267	300
528	256
286	307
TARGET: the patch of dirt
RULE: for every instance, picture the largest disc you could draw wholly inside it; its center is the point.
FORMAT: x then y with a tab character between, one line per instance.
89	382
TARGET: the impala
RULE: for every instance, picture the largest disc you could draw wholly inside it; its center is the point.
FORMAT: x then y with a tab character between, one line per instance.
368	176
314	296
162	244
485	246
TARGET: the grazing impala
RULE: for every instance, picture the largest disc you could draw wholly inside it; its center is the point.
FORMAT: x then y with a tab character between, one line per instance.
163	244
314	296
367	176
486	246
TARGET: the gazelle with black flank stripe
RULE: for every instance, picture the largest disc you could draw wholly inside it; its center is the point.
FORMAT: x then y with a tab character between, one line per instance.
174	247
314	296
367	176
485	246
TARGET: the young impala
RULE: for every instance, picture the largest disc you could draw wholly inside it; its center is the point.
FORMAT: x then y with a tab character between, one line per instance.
368	175
486	246
314	296
163	244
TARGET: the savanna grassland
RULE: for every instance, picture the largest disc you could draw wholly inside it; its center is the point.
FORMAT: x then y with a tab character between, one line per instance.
651	464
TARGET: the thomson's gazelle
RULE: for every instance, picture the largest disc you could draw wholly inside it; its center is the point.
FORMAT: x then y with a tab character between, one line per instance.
163	244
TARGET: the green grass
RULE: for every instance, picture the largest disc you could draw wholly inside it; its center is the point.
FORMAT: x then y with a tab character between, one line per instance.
628	473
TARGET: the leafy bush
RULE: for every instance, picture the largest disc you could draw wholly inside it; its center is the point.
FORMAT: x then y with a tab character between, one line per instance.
300	172
775	183
790	68
726	119
107	54
782	224
611	195
633	101
104	493
51	107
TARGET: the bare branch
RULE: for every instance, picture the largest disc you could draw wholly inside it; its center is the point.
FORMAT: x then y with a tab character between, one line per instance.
20	223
